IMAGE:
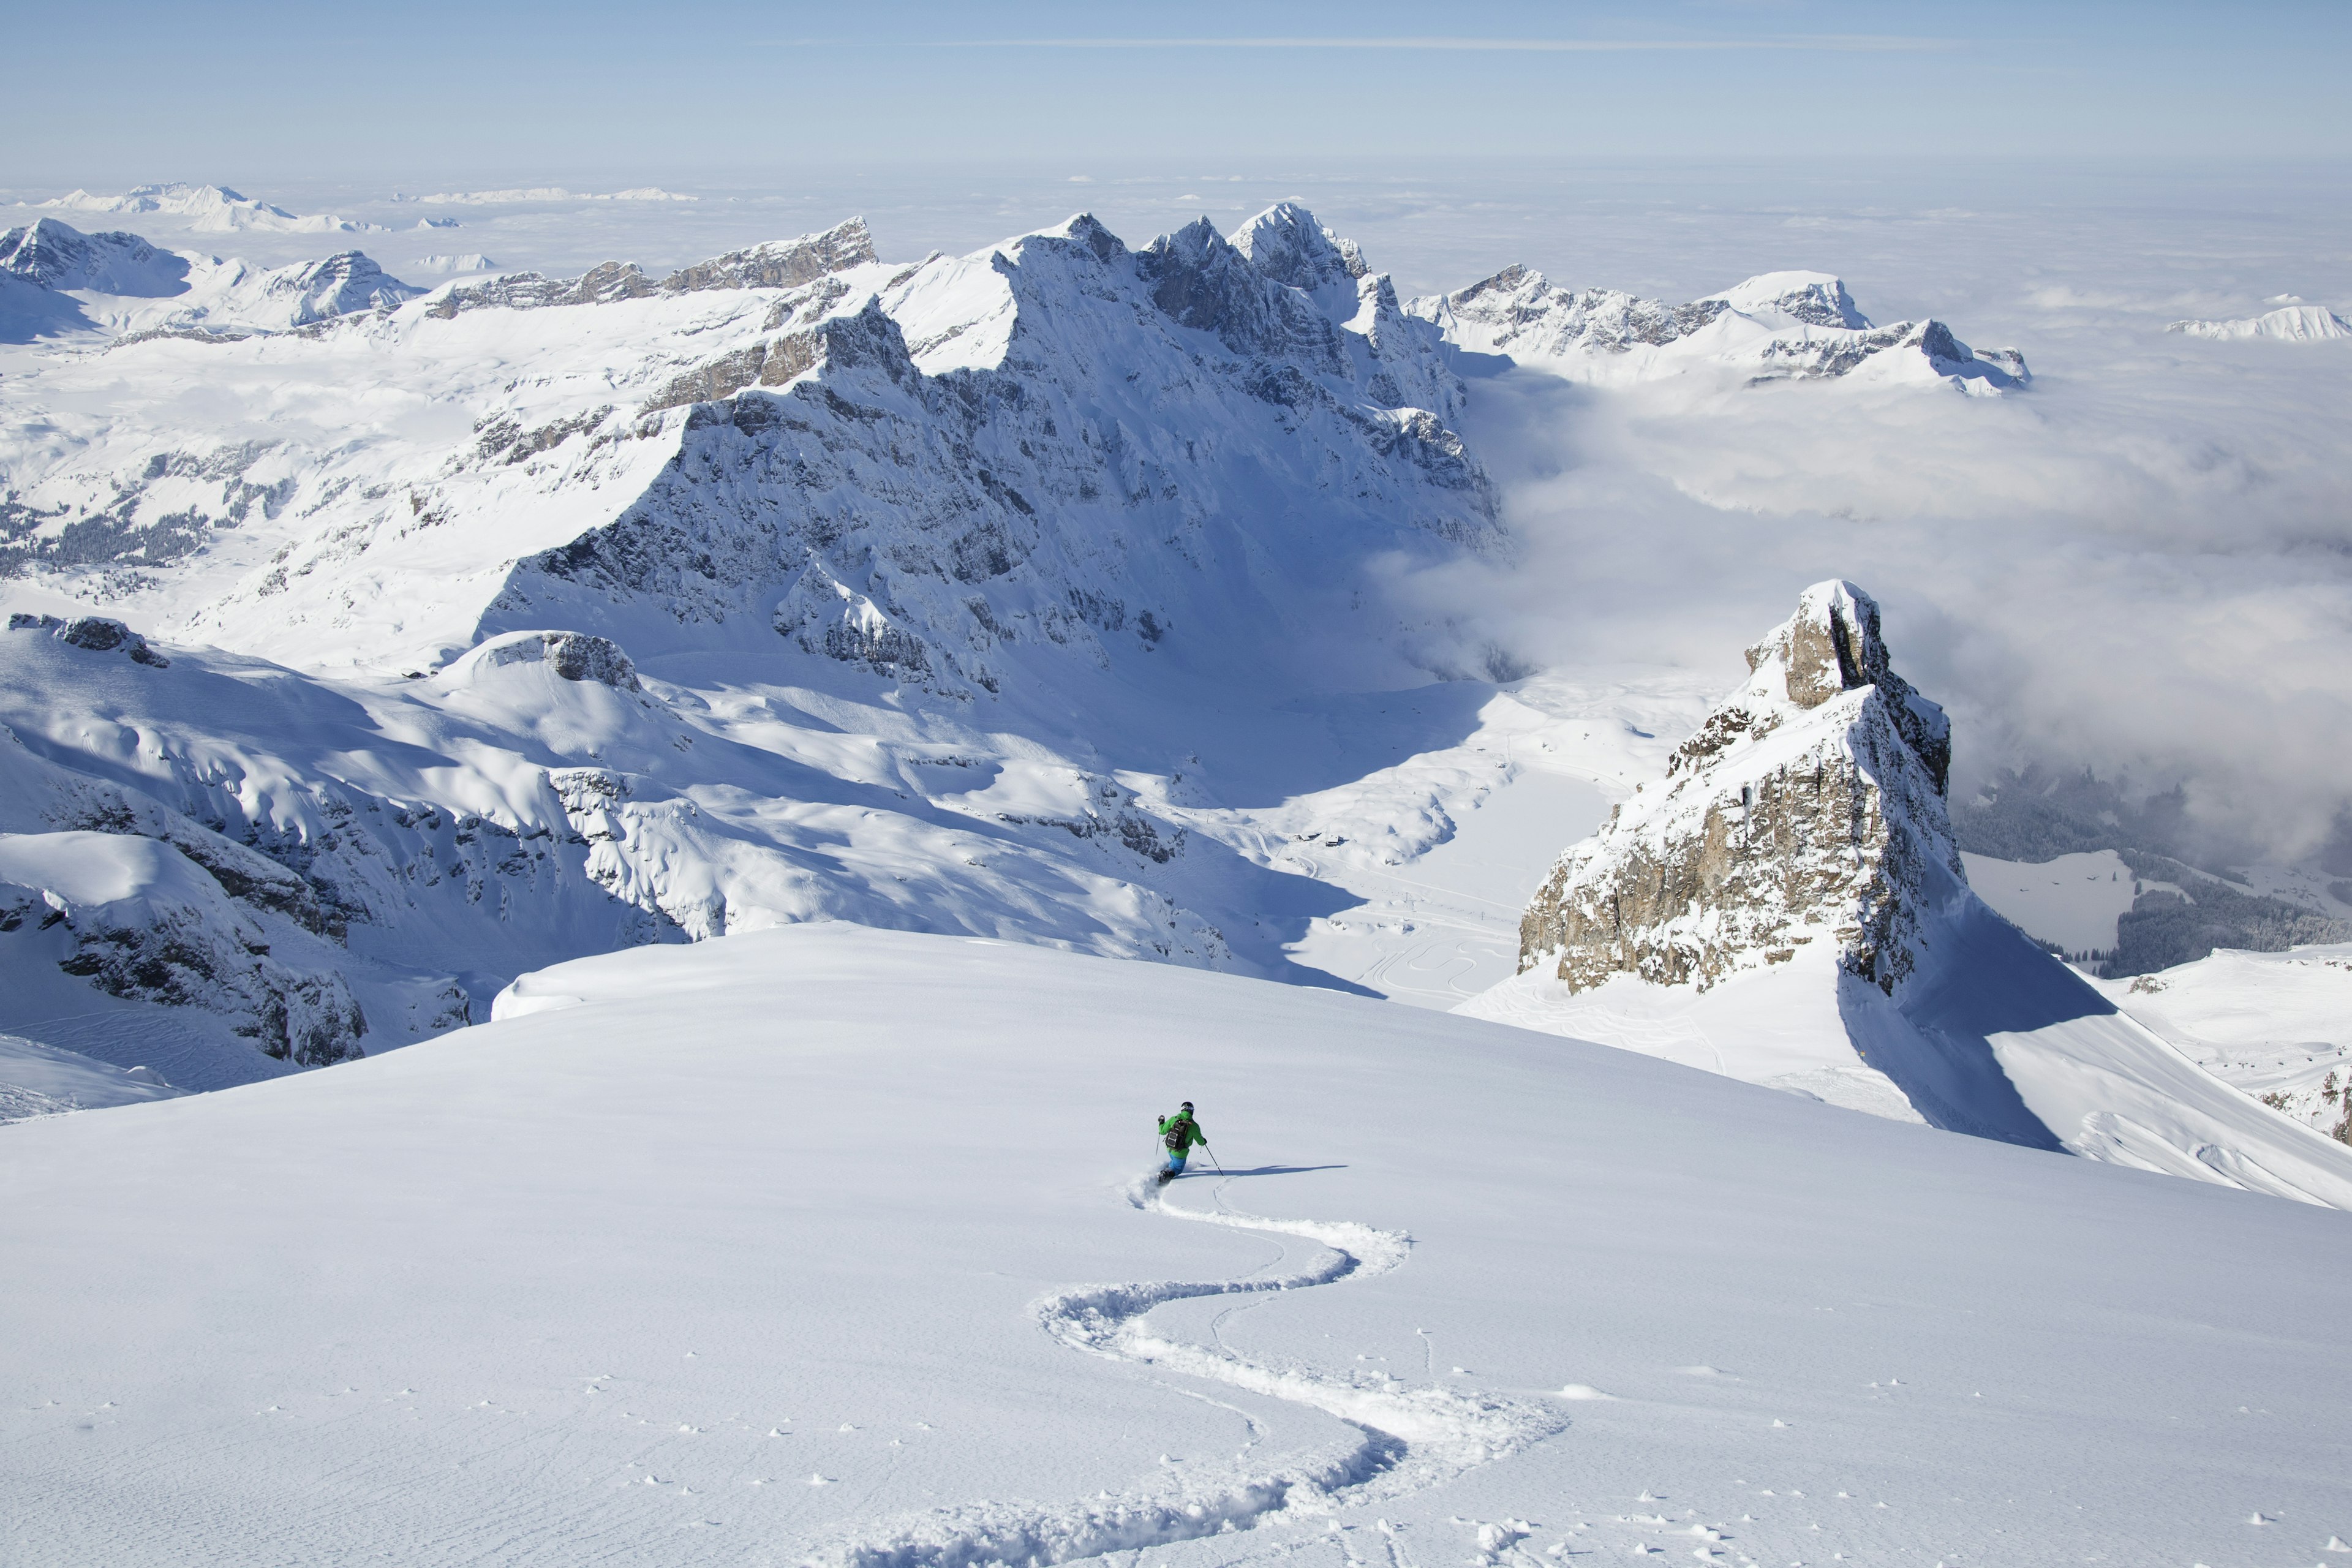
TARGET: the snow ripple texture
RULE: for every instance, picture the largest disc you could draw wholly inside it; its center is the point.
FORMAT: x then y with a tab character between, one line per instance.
1407	1437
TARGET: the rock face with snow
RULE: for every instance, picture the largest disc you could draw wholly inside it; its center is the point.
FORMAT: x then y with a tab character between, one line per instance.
1807	808
57	256
67	283
1000	484
1057	449
777	264
99	634
1780	326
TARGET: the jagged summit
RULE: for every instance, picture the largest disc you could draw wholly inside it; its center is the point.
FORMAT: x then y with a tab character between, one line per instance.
1057	443
1787	907
774	264
2290	324
208	208
56	255
1778	326
1804	299
1288	246
1807	807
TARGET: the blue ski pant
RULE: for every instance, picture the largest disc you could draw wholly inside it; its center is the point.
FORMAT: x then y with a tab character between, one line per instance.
1175	1167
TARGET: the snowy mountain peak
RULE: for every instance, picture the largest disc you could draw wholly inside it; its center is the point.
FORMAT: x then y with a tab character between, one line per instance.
1287	245
209	208
1790	899
55	254
1832	646
779	264
339	285
1809	806
1796	299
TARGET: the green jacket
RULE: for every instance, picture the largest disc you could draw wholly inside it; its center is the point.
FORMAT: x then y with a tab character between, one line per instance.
1184	1130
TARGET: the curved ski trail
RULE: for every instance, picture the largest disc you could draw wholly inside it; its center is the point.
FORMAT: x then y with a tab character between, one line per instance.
1405	1438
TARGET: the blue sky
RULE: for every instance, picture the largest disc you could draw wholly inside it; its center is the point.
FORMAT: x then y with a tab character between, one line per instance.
444	91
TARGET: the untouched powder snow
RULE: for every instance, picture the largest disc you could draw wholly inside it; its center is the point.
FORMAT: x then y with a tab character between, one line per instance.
2074	900
833	1245
1012	593
2291	324
1778	326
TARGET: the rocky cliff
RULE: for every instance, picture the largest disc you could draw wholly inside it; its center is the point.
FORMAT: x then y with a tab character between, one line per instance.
1807	807
1777	326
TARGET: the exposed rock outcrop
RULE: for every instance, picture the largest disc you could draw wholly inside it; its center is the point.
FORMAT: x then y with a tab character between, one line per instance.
1807	807
777	264
93	634
139	921
575	656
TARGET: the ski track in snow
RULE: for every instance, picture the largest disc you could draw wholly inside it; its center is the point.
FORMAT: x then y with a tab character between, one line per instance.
1406	1437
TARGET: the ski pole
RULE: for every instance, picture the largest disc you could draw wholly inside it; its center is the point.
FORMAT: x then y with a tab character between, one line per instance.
1220	1164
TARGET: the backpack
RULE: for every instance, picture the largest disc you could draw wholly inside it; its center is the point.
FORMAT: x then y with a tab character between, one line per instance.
1173	1133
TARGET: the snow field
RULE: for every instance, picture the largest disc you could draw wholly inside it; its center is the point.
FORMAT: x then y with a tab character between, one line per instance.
41	1080
760	1250
2073	900
2278	1025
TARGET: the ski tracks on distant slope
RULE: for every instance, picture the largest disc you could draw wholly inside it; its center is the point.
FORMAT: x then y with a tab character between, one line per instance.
1405	1436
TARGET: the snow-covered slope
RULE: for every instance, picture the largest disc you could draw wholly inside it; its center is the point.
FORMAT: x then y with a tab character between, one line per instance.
2071	900
2290	324
1778	326
934	471
208	209
57	282
917	596
1789	908
2277	1024
829	1245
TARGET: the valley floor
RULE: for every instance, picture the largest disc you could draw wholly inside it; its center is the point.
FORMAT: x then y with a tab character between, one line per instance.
789	1247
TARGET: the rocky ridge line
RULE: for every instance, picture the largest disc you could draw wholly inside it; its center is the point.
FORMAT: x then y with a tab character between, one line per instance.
1807	807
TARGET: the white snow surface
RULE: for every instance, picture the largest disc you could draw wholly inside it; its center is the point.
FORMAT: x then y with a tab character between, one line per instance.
1777	326
2289	324
58	283
2277	1024
1851	961
829	1244
2071	899
205	209
1993	1036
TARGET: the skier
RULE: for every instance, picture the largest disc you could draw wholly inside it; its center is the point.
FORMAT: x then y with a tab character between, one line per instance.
1178	1133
